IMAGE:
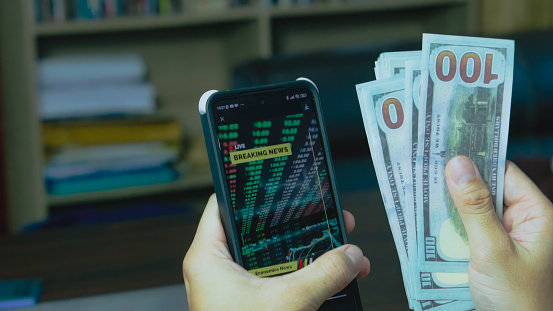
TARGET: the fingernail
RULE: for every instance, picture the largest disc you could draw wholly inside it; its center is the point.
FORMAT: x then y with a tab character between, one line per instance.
461	170
356	256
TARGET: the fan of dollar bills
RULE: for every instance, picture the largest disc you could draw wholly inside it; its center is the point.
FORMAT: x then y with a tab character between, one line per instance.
452	98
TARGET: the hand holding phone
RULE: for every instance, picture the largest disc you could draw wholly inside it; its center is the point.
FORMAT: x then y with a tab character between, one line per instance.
274	179
215	282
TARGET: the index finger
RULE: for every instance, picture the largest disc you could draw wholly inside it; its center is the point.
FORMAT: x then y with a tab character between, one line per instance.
522	198
210	228
519	188
349	221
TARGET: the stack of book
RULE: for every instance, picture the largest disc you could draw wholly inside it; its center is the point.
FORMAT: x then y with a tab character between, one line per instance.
47	11
100	129
91	86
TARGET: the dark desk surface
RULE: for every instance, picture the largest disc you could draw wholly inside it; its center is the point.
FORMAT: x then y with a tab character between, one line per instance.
98	259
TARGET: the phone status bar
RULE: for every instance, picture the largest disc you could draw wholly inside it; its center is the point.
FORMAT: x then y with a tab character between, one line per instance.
228	106
296	96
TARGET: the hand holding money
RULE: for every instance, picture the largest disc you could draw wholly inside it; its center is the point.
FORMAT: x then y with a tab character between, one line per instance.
452	98
511	265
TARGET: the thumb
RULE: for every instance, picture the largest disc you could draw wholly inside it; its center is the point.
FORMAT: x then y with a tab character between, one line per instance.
327	275
474	203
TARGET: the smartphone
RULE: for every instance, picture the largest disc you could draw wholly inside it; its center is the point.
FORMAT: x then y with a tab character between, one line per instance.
274	179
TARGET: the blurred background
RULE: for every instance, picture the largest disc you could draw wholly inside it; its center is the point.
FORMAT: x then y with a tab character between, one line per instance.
103	168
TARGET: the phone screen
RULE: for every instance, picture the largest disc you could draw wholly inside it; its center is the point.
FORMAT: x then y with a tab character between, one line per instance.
278	180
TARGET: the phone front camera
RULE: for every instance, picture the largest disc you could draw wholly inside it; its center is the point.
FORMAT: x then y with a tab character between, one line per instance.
262	101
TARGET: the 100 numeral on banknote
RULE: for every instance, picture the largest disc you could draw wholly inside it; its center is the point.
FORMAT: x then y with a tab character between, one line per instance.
464	110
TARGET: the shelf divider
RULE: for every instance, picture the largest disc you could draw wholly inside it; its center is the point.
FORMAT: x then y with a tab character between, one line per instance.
195	179
25	190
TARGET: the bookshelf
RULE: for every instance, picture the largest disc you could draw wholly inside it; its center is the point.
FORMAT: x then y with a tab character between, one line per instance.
186	54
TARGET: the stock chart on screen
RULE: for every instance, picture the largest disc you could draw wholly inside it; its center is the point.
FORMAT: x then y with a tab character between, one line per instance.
279	188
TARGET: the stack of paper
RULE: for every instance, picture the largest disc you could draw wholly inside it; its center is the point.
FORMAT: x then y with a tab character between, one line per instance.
99	130
85	156
91	86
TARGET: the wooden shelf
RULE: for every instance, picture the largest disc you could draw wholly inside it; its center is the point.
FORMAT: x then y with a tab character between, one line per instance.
242	14
144	23
195	179
369	6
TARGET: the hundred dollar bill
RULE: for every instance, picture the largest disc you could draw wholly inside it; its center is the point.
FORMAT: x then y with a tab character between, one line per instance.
464	110
387	125
412	95
396	140
444	305
425	285
391	64
440	286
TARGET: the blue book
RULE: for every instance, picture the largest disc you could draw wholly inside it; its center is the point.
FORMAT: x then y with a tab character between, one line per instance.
38	15
121	8
22	293
115	181
89	9
152	7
